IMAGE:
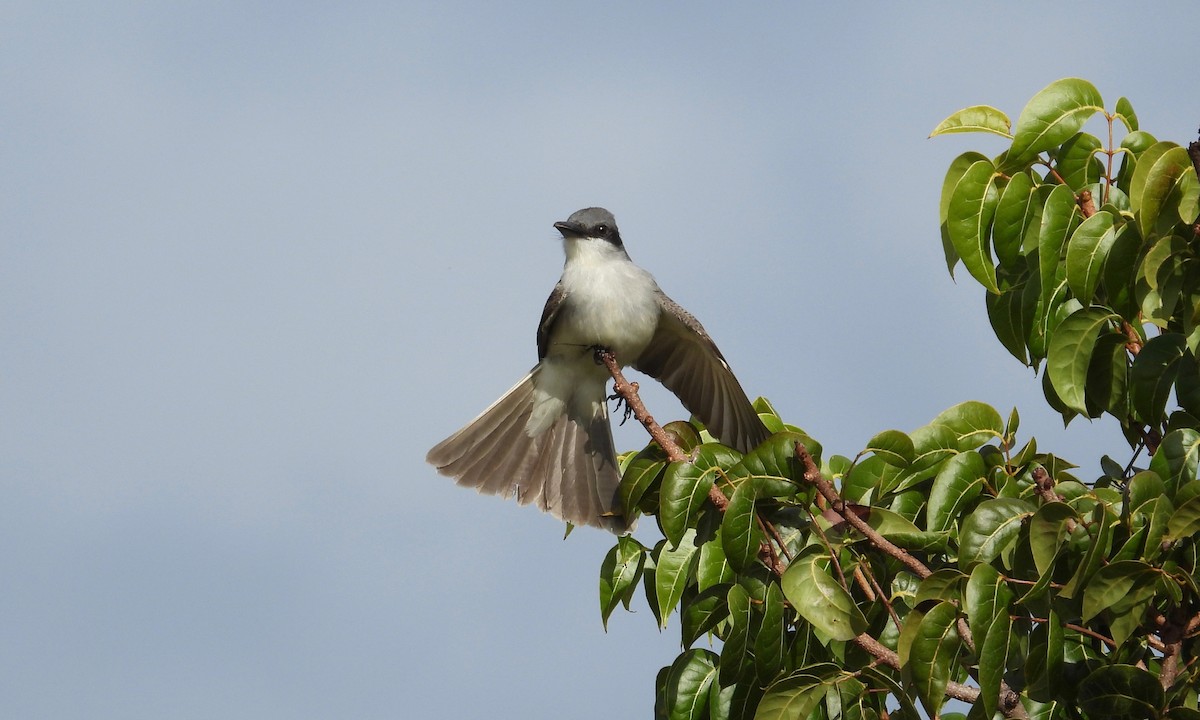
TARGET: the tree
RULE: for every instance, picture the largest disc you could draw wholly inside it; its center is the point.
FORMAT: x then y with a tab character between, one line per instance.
960	560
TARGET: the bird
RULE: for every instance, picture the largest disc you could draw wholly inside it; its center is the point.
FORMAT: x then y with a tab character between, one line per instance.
548	441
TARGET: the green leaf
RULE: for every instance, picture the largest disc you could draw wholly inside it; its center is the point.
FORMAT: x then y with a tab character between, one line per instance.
713	567
1011	319
1108	375
1179	450
819	599
1047	530
977	118
703	612
1120	269
1153	188
674	568
1054	114
1185	521
931	657
958	482
1015	214
954	173
1044	661
640	475
740	534
1112	583
944	584
893	447
987	597
1125	112
972	422
686	485
972	207
799	694
735	652
619	575
934	443
1100	528
1086	252
771	642
993	661
1153	374
1070	354
990	529
1121	691
1058	215
687	684
880	678
1077	163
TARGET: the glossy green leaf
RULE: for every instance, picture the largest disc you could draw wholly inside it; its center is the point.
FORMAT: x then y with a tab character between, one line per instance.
945	584
977	118
972	422
740	533
893	447
799	694
990	529
819	599
1120	692
1153	374
934	443
1077	163
1185	521
972	207
1045	658
1124	112
1070	354
1113	582
994	649
1108	375
1120	269
954	173
643	471
1047	530
713	567
1086	252
1100	529
674	568
932	656
735	653
1053	115
687	684
1011	319
1058	217
619	575
1179	450
1015	214
770	644
704	611
1153	188
685	487
958	482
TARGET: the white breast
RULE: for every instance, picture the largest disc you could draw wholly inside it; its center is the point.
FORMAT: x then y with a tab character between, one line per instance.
610	301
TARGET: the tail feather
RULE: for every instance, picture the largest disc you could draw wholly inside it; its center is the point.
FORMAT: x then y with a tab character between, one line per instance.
568	470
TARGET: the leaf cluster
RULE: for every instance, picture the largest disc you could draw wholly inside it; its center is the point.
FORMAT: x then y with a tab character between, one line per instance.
958	560
1088	252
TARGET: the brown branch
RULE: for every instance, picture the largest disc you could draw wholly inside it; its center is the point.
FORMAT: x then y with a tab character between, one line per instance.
813	477
1044	485
629	393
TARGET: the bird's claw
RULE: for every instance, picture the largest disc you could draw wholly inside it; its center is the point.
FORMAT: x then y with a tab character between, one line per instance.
622	406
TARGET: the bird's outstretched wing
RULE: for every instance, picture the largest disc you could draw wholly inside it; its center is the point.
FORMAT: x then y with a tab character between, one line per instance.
684	358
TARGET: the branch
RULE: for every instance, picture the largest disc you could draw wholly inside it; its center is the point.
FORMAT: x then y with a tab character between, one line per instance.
812	476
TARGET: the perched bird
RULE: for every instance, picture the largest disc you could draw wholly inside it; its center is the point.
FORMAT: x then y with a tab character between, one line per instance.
548	440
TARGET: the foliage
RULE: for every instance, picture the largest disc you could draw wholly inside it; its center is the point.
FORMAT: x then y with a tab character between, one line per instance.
959	560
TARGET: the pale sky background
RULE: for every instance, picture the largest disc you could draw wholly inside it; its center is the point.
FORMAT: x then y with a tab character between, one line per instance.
256	258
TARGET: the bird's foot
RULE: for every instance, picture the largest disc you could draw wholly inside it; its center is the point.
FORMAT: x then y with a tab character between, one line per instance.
622	406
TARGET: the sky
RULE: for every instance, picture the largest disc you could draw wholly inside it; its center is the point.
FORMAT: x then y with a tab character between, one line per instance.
257	257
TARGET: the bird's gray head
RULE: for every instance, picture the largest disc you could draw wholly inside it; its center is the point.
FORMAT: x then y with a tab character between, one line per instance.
593	222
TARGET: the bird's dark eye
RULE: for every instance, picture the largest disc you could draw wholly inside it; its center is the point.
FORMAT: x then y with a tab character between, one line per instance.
602	229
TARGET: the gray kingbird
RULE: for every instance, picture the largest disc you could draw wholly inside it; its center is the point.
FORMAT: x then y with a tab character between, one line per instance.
547	440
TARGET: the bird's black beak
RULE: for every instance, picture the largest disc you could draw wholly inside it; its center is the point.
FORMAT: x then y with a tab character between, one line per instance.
569	229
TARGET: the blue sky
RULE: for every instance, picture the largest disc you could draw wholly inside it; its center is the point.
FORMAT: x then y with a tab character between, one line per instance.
255	258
